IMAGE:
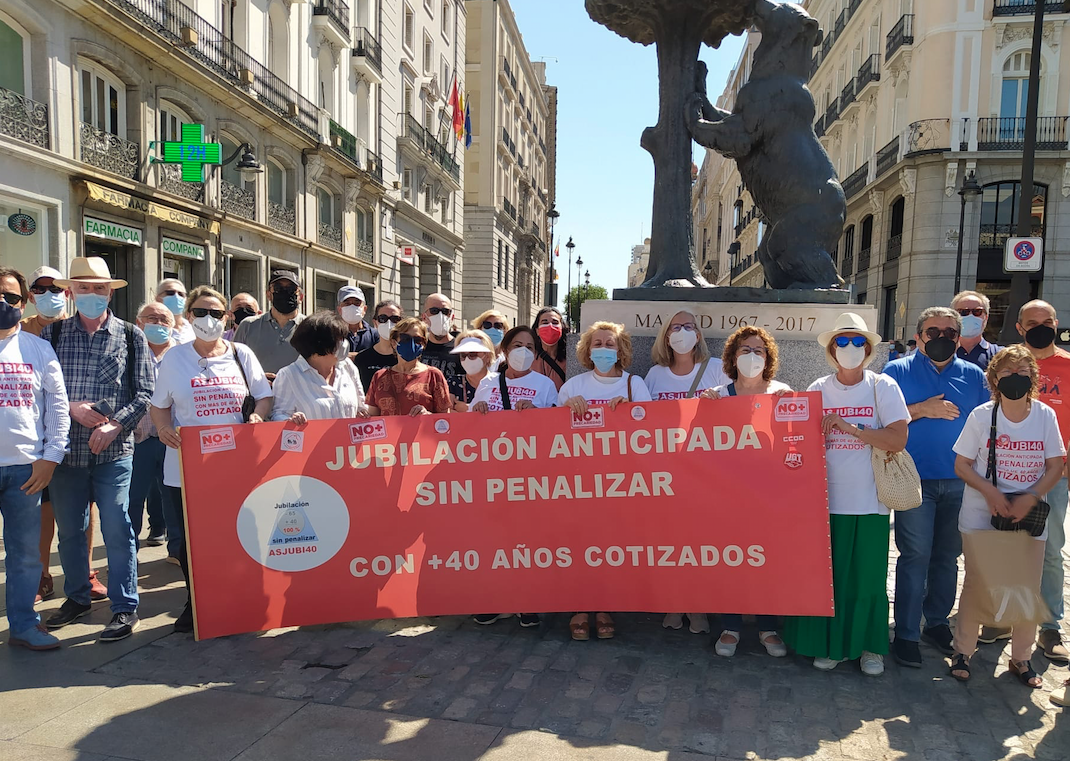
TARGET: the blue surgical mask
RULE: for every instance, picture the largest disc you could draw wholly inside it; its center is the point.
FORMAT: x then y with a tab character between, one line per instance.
91	305
408	349
604	359
157	335
50	304
972	326
176	303
495	335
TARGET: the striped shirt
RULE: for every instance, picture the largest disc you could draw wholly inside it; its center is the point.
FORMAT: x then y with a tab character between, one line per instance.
34	414
299	387
94	368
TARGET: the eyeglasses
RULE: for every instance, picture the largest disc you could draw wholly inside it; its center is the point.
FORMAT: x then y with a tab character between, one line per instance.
169	292
40	290
219	314
933	333
976	312
682	326
440	310
759	350
473	355
487	325
14	299
383	319
843	341
155	319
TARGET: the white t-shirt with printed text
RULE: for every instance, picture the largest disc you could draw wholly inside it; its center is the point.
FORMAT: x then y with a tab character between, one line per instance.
774	387
852	489
205	391
1021	449
533	387
598	390
663	383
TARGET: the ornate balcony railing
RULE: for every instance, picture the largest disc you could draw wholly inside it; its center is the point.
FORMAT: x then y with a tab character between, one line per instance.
868	72
847	265
521	222
895	247
366	251
1023	7
832	113
819	127
535	229
366	45
282	218
171	181
240	202
329	236
847	96
375	166
110	152
429	143
995	236
857	180
24	119
887	157
191	35
743	265
1008	133
863	259
902	34
336	10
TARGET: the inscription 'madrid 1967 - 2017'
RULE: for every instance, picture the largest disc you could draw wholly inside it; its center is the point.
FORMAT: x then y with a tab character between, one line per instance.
720	319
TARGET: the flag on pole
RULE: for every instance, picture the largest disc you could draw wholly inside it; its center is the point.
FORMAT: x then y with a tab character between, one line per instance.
467	125
458	113
557	250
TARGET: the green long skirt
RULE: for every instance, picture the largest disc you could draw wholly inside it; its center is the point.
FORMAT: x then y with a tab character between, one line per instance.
860	591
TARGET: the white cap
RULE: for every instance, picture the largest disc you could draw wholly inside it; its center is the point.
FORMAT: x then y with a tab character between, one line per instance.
41	272
471	345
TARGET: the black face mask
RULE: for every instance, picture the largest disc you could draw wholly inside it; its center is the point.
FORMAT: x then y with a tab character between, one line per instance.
1015	386
940	349
284	302
243	313
1040	336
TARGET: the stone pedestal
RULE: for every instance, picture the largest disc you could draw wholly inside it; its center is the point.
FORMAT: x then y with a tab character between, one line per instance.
795	326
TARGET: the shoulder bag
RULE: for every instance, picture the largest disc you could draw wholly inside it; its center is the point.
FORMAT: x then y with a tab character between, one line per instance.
248	405
698	377
1035	521
505	391
896	475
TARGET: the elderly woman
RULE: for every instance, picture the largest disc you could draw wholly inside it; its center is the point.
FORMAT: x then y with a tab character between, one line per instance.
476	354
495	325
682	365
172	294
231	373
1028	461
862	410
320	384
385	317
550	349
517	386
605	349
409	387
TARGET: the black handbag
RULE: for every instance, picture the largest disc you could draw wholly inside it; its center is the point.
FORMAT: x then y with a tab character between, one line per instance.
1037	518
248	404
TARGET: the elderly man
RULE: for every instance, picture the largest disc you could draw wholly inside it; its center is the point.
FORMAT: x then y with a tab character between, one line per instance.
242	307
974	307
108	375
268	334
941	390
438	314
352	307
172	294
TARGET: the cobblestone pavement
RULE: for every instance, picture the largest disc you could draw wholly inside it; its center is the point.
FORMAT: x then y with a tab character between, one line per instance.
653	689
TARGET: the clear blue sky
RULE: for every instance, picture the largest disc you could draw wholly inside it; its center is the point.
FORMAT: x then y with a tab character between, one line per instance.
607	95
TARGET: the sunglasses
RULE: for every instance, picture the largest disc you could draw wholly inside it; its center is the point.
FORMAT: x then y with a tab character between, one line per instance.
934	333
976	312
440	310
172	292
843	341
219	314
40	290
473	355
14	299
383	319
487	325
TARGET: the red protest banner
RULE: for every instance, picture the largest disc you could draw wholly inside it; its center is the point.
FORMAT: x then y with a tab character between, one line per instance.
716	506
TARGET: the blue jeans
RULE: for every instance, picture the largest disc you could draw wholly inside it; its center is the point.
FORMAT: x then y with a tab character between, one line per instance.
1051	583
733	622
146	486
22	533
929	542
72	491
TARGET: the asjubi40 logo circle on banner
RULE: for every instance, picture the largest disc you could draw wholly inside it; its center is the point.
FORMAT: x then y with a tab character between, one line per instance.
293	523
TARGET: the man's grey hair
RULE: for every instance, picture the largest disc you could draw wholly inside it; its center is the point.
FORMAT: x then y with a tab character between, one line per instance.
165	284
986	304
932	312
157	304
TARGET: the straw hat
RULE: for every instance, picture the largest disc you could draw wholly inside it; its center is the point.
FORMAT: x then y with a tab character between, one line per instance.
849	322
90	269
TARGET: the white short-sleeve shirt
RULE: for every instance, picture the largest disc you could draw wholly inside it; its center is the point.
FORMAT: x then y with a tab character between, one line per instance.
598	390
533	387
663	383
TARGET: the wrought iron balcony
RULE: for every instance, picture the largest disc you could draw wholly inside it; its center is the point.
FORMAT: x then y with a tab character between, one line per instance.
888	157
847	265
282	218
170	179
329	236
995	236
857	180
375	166
110	152
366	48
1008	133
24	119
868	73
337	12
430	146
743	265
864	257
1027	7
819	127
847	96
345	143
240	202
895	247
902	34
535	229
366	251
510	210
832	113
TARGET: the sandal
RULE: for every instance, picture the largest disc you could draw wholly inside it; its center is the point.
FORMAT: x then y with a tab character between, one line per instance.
580	626
1026	673
726	643
773	644
606	629
960	663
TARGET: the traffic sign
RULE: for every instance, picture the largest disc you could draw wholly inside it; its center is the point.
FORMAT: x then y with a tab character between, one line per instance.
1024	255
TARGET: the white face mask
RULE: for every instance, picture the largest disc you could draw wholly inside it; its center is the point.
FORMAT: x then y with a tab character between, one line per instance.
208	328
472	366
440	324
683	341
384	330
850	356
352	313
750	365
520	359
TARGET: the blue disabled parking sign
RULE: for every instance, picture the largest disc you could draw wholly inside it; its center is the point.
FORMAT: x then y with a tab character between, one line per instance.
1024	255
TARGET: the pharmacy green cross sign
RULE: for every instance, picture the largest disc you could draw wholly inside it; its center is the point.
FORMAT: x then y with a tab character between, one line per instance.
191	153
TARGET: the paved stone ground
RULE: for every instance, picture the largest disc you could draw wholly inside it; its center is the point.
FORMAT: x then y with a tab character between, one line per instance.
446	688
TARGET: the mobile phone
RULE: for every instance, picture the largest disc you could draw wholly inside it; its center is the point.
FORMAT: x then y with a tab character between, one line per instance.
104	408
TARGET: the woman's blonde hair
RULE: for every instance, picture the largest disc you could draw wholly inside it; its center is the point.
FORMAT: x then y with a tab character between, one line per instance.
624	344
477	323
731	346
200	292
662	353
1013	356
403	327
483	338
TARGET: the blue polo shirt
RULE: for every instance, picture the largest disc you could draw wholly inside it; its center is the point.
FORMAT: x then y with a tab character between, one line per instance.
981	354
930	440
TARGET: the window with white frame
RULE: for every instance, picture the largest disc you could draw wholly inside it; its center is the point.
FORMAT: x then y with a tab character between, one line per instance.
103	99
429	200
444	67
329	208
365	225
501	265
406	184
407	98
408	37
277	183
446	19
445	210
171	120
429	57
14	57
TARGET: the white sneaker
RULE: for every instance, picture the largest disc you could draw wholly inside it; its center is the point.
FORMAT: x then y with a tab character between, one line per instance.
827	664
699	623
673	621
775	649
726	649
871	663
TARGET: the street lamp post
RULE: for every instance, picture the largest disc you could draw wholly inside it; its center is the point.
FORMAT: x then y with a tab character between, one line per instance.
969	191
586	284
551	286
579	266
568	293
